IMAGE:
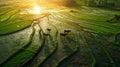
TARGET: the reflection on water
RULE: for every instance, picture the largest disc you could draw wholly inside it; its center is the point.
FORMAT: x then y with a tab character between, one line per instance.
40	10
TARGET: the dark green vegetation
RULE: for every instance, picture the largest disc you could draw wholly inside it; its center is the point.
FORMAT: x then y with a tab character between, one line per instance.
60	37
100	3
109	4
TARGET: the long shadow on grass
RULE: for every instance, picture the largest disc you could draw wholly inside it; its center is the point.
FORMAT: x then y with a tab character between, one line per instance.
72	53
22	49
53	43
39	49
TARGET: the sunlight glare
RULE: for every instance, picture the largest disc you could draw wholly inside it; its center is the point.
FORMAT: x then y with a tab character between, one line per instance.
36	10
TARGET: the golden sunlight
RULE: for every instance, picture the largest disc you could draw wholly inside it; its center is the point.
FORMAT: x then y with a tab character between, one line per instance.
33	10
36	10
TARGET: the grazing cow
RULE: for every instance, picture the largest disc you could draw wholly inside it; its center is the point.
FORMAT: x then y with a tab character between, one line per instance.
63	34
67	31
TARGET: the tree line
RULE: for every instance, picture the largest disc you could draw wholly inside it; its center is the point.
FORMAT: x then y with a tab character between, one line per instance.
99	3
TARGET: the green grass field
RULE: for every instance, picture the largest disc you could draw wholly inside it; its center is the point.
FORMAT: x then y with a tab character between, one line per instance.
61	37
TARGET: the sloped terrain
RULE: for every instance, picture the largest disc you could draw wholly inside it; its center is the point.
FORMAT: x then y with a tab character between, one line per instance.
63	37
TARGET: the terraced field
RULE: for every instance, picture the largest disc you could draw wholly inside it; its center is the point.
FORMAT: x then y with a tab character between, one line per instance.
62	37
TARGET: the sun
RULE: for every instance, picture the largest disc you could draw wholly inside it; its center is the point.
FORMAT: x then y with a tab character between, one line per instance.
35	10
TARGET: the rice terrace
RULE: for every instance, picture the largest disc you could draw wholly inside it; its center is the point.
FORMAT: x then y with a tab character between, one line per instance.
59	33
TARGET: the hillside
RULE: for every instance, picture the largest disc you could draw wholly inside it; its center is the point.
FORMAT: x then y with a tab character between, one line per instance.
59	33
